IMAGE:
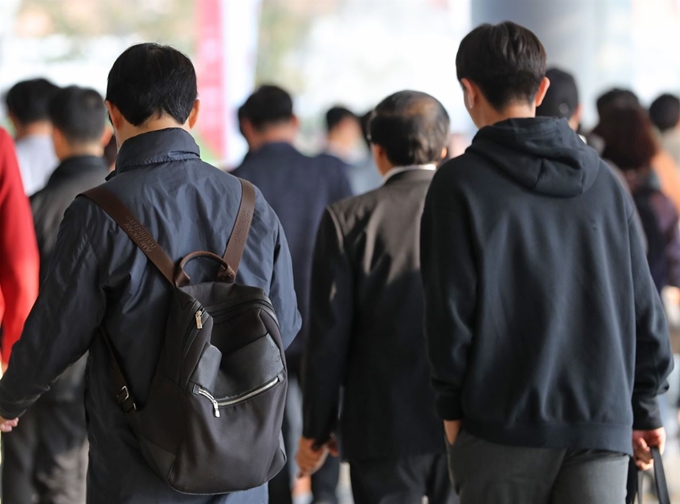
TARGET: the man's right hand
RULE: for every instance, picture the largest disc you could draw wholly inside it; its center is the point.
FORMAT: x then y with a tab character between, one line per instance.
642	443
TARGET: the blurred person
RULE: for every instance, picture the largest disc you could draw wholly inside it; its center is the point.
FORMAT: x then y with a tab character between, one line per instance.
364	174
664	166
665	114
630	144
99	279
27	103
44	454
298	188
546	335
343	134
365	347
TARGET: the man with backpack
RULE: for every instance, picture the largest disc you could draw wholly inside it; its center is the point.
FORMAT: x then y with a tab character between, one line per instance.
108	290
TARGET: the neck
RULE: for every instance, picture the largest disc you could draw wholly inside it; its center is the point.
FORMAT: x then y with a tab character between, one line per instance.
72	151
128	131
283	133
40	128
492	116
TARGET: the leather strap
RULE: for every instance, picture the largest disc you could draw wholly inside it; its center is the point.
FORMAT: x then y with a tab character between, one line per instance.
239	235
134	229
635	481
120	385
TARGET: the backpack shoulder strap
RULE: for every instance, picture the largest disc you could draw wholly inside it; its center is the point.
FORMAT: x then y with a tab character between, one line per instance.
239	235
134	229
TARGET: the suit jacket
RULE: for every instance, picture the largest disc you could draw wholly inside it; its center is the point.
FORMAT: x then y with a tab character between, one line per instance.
366	327
298	188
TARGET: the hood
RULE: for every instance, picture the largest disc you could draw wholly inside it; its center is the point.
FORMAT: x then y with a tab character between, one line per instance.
542	154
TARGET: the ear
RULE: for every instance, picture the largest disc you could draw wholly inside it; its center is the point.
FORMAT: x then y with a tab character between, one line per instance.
470	93
193	115
294	122
445	154
542	90
115	115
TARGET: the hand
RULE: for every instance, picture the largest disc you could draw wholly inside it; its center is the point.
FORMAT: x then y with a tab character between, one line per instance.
310	457
8	425
452	429
643	441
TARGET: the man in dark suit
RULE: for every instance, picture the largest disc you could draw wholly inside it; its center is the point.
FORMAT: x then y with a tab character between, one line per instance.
298	188
366	326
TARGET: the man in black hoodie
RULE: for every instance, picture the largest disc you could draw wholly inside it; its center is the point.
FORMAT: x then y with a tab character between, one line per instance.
546	336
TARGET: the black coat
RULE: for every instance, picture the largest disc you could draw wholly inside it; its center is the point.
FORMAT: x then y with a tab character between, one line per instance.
99	277
298	188
366	330
71	177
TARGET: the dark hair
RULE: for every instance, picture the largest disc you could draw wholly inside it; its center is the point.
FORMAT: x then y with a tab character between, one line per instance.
267	105
79	113
616	98
150	80
29	100
628	137
562	99
412	127
336	115
506	61
665	112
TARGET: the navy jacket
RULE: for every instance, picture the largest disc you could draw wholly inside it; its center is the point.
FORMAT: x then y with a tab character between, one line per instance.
298	188
97	276
543	323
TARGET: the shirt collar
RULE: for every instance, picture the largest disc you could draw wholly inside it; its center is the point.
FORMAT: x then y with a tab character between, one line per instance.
172	144
401	169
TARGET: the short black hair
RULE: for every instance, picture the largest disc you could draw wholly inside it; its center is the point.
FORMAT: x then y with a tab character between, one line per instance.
28	101
79	113
336	115
506	61
412	127
268	105
149	80
665	112
614	99
562	99
629	138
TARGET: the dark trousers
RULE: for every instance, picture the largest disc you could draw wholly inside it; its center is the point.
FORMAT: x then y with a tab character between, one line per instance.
44	457
325	480
486	472
402	481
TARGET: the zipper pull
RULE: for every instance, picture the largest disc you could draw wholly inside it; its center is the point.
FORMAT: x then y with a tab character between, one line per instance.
199	322
217	409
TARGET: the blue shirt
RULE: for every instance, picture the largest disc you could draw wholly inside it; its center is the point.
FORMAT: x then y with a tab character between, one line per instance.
98	277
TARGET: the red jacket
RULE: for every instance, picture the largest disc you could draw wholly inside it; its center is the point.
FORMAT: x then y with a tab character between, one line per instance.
19	260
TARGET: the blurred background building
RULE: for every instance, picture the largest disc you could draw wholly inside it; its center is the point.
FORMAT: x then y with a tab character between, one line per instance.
353	52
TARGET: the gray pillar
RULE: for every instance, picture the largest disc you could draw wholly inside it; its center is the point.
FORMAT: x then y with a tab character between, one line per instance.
589	38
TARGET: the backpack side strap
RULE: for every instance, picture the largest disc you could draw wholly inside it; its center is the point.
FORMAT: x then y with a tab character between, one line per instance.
134	229
239	235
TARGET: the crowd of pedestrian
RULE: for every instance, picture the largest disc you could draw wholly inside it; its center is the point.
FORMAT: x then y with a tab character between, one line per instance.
481	328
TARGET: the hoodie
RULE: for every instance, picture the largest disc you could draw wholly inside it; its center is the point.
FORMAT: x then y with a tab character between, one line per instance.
543	325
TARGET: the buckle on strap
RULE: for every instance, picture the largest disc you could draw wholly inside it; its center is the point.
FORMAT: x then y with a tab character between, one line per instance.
126	401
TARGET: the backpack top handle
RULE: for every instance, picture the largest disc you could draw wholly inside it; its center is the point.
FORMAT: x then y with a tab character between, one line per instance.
143	239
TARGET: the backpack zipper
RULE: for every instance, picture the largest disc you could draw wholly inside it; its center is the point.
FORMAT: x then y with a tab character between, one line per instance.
232	402
199	319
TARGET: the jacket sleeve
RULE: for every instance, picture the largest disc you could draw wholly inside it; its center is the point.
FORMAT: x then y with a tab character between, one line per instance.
653	356
450	283
19	267
282	290
61	326
327	344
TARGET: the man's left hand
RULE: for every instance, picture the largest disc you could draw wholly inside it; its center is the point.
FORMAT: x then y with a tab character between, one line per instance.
8	425
310	457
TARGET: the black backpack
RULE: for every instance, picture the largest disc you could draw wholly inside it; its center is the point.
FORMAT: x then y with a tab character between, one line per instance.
212	421
657	241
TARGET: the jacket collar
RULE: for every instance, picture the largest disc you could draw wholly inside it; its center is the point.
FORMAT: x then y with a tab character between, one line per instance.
172	144
413	173
78	165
